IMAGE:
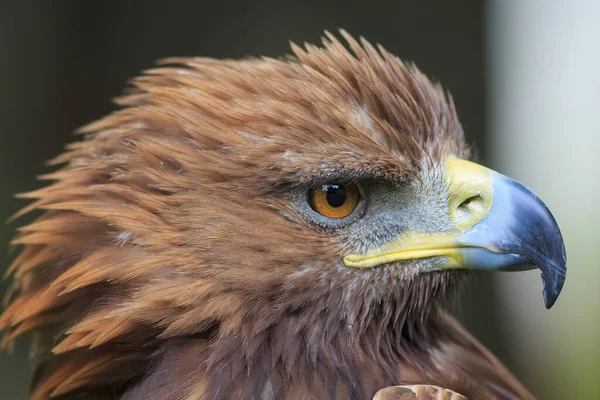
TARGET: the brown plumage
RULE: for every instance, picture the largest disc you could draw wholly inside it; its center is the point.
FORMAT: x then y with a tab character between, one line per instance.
171	261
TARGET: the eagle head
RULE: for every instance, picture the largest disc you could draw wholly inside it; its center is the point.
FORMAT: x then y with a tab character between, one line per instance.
266	228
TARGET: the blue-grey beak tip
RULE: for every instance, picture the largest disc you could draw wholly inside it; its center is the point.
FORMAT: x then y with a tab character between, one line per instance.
553	272
535	235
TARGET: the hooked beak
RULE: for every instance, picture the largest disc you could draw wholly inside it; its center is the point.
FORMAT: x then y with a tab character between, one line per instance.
499	224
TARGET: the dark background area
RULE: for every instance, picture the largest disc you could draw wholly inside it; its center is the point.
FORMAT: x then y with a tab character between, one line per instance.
62	62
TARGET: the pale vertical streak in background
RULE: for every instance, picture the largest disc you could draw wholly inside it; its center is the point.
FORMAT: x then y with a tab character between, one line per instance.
544	69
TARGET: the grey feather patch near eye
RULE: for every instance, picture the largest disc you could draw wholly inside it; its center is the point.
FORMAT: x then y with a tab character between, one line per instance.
393	209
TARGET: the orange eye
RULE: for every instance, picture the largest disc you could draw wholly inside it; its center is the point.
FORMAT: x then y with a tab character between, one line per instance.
334	200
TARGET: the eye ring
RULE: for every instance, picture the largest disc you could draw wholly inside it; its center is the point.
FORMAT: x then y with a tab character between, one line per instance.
334	200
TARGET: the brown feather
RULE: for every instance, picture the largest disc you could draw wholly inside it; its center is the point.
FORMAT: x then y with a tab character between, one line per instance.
170	264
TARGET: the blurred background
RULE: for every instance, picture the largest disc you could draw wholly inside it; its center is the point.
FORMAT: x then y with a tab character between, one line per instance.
524	75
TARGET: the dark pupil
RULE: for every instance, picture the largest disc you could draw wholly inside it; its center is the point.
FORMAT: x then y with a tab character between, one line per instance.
336	195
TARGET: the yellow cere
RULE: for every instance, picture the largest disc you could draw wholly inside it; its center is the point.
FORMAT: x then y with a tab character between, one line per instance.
470	193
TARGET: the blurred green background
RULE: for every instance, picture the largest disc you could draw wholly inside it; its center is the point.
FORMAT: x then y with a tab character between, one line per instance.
523	75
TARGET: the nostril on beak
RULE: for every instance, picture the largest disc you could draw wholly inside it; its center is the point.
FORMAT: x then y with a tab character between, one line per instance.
472	203
470	209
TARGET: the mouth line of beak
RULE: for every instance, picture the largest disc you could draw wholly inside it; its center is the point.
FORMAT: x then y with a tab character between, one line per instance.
373	260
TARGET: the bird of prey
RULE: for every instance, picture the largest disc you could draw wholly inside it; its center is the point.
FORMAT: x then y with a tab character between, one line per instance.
271	229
